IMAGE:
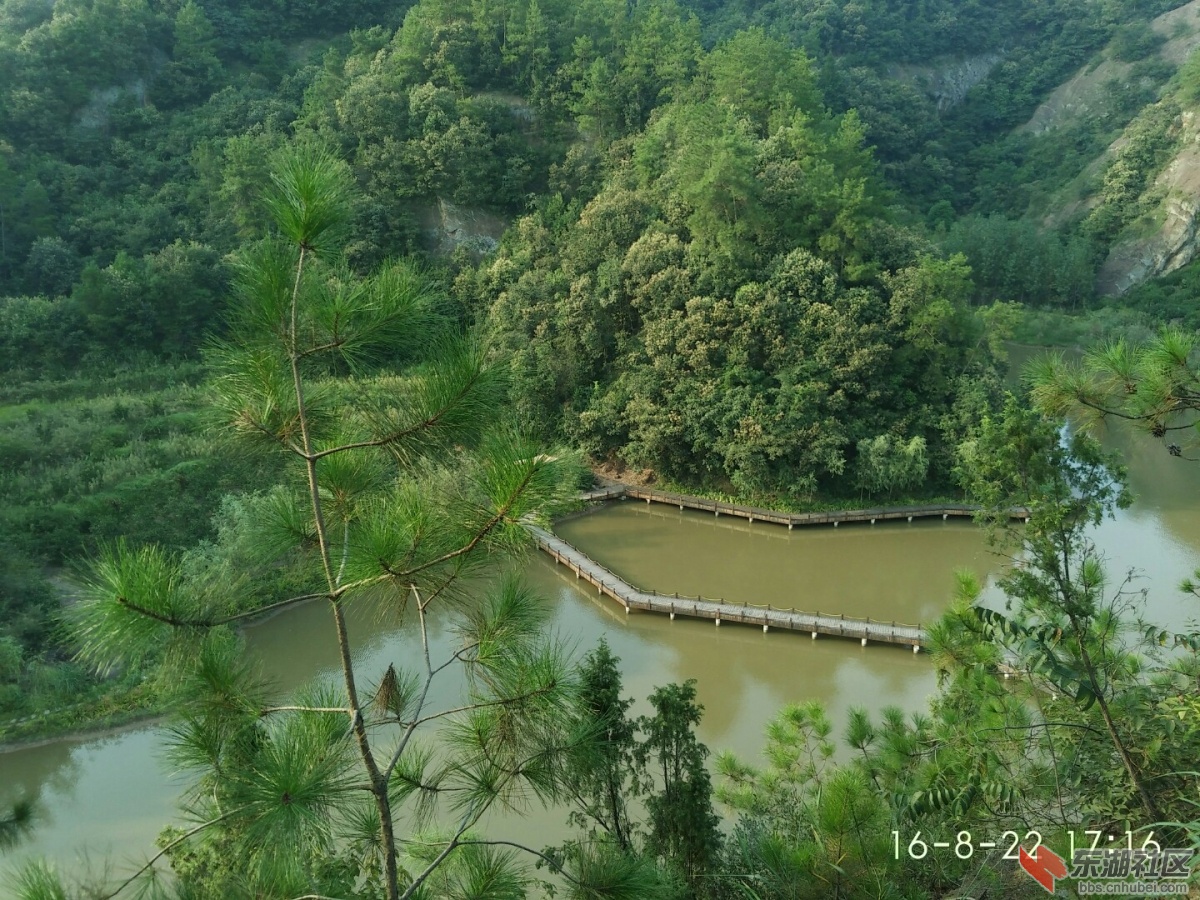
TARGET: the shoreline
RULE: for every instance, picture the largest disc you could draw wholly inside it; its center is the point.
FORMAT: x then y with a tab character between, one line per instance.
85	733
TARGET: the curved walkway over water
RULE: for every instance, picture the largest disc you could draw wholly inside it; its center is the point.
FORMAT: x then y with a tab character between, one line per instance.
609	584
814	623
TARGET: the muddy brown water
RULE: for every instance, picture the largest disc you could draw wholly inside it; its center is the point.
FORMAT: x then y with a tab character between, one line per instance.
102	799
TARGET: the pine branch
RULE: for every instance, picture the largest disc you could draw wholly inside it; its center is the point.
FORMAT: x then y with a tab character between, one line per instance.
395	437
171	846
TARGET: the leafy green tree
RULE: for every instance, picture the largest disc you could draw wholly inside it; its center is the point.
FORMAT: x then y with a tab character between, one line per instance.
808	828
194	68
683	829
656	760
1067	626
602	779
527	49
51	267
403	490
761	77
886	464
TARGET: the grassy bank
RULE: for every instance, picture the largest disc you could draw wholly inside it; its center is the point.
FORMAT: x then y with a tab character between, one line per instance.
105	705
84	461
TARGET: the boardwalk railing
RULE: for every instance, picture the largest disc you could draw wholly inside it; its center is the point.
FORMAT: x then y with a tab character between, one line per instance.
609	584
757	514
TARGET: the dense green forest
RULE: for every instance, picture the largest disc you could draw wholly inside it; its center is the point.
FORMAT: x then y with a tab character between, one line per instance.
752	248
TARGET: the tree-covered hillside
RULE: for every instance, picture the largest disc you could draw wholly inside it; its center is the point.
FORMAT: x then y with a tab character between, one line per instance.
751	249
772	249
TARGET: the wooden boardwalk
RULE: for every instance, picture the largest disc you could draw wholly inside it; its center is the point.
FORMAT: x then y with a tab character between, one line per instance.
611	585
791	520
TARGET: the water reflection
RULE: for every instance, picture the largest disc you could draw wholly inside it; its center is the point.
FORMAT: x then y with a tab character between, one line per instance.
890	571
112	795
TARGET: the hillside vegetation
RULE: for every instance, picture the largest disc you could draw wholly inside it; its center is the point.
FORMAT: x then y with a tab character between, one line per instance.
751	250
754	248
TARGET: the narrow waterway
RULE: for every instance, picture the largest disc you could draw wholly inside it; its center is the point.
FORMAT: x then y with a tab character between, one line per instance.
105	798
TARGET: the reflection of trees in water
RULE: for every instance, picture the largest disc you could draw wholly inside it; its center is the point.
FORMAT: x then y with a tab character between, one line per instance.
33	773
894	570
295	648
743	676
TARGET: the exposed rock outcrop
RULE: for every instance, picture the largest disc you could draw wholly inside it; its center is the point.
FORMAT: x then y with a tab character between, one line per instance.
1086	93
449	227
1165	238
948	82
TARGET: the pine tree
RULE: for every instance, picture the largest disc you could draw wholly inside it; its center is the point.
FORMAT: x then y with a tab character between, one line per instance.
402	488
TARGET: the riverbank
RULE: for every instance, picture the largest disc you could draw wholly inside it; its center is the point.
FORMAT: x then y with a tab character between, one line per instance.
116	708
872	514
610	476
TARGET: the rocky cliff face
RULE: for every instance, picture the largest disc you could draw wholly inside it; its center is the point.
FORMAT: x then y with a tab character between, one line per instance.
1086	93
1166	237
449	227
1167	234
948	82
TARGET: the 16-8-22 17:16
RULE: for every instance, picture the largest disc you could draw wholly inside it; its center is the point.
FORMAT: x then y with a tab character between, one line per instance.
964	845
